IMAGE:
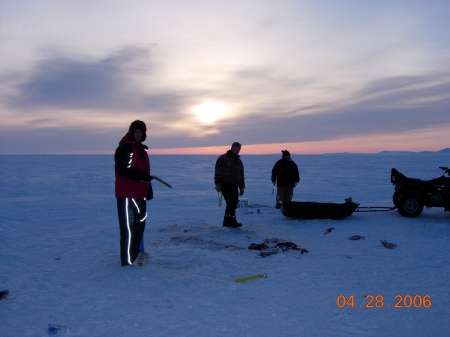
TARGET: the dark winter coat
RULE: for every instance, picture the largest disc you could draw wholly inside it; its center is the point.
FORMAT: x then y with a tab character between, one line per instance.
132	170
285	173
229	170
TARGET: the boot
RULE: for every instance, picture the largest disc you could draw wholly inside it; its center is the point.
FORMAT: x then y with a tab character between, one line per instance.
230	221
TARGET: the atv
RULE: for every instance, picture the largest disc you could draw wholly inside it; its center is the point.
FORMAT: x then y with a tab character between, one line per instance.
411	195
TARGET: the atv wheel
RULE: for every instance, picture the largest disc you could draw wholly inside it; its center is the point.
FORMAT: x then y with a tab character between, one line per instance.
409	205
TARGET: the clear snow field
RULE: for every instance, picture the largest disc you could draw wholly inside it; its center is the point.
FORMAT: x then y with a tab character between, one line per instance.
60	252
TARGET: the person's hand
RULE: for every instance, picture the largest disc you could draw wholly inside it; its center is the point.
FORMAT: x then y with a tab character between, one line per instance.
145	177
241	190
218	187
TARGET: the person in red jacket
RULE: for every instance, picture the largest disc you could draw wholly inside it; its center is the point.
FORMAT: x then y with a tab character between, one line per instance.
132	189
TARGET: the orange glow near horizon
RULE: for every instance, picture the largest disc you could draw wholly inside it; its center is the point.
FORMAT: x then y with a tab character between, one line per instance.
430	140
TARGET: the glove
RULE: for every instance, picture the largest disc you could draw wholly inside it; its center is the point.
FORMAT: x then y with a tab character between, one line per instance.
145	177
218	187
241	190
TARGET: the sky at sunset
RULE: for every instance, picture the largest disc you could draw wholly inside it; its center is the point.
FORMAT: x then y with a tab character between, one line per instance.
310	76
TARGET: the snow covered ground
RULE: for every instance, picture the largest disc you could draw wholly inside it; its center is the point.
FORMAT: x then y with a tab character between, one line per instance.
60	252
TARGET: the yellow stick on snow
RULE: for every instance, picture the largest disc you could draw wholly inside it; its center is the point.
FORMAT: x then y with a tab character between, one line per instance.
248	278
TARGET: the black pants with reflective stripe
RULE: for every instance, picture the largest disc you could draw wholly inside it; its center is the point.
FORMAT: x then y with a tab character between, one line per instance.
231	196
132	214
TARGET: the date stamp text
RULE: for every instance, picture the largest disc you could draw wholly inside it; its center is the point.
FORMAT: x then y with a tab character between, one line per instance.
379	301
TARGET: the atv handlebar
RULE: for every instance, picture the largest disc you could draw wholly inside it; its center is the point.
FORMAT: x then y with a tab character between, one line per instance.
445	169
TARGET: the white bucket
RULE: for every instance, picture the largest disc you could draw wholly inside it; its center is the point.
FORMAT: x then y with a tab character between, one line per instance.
243	205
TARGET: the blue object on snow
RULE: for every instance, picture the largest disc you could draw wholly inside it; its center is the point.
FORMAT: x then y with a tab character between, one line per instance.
53	330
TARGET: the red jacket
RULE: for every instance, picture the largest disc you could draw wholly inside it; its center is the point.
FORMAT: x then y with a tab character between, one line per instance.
132	169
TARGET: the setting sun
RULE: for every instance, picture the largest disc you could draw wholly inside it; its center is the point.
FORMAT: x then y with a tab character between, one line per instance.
210	112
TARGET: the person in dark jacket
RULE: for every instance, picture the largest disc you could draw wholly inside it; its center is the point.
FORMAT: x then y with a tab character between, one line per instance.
229	177
132	189
285	173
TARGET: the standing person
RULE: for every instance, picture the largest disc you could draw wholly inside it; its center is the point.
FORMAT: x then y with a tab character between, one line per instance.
133	188
229	177
285	173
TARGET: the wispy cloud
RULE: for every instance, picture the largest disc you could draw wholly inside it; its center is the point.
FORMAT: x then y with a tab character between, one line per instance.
69	83
384	105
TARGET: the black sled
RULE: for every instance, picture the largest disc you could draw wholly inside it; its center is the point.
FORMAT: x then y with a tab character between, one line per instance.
318	210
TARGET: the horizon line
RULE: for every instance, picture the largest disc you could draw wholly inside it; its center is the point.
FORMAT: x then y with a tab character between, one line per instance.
214	151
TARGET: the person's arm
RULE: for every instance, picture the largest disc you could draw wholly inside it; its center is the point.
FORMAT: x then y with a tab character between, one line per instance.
274	172
243	178
297	174
122	160
218	171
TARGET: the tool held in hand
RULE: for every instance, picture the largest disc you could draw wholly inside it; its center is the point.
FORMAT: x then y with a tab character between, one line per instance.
161	181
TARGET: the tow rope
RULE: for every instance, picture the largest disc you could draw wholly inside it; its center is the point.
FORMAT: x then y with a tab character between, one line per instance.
374	209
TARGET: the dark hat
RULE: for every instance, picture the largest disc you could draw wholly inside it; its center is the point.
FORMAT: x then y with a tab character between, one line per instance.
285	153
138	125
236	144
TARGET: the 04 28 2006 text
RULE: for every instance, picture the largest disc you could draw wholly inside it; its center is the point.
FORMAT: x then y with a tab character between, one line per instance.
379	301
